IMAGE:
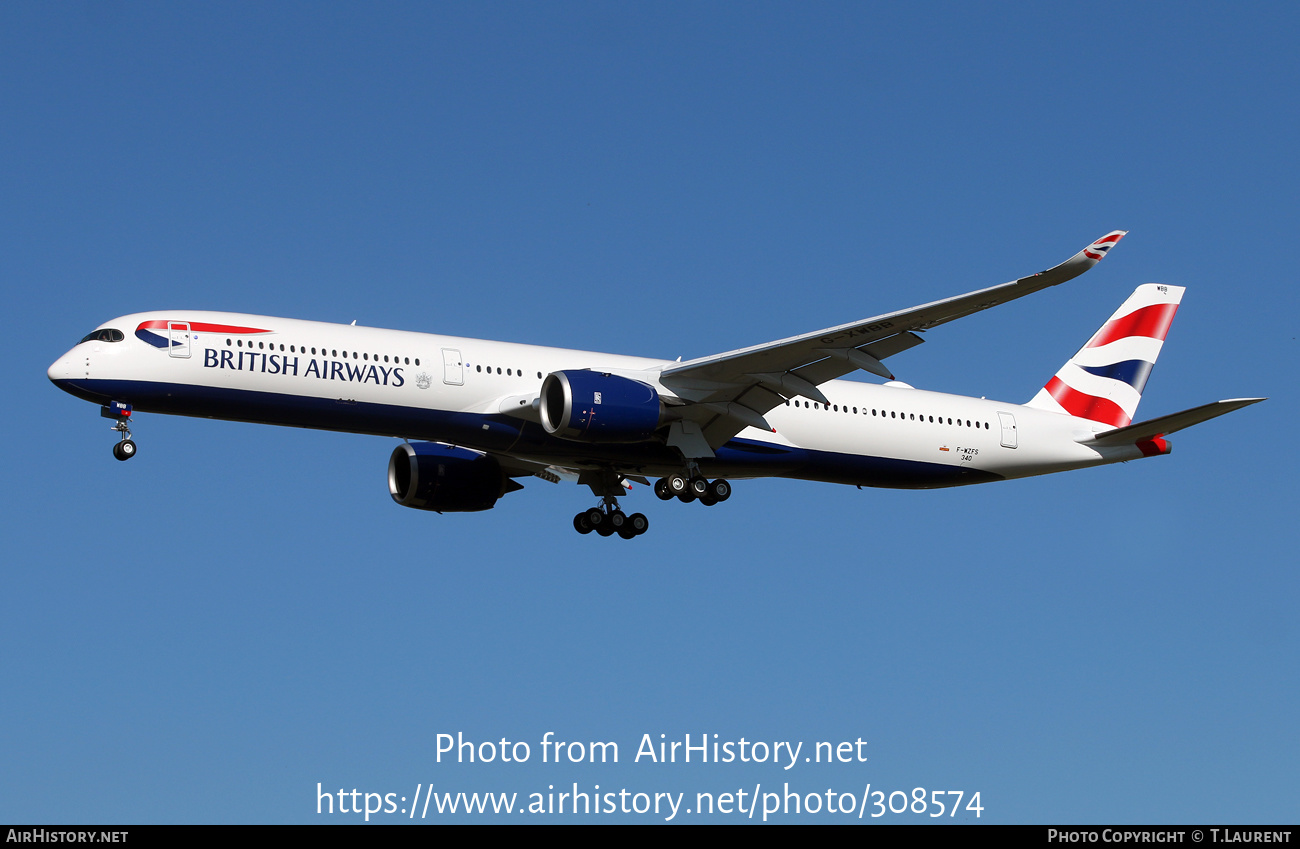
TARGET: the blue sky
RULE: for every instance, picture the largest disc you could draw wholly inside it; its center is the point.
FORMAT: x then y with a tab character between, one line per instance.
205	633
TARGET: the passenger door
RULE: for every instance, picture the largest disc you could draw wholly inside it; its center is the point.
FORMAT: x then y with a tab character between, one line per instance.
178	338
452	367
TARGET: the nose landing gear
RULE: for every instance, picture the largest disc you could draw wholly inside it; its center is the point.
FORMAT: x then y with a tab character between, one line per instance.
121	414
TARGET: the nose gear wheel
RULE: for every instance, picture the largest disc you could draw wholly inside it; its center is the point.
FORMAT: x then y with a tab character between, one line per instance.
121	415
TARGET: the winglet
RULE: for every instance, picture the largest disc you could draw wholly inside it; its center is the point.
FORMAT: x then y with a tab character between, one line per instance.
1068	270
1098	249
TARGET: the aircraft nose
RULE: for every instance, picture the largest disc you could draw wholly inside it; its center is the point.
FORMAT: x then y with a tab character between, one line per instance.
60	369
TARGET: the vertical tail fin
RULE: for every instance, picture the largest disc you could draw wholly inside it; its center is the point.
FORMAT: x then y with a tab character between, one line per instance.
1104	381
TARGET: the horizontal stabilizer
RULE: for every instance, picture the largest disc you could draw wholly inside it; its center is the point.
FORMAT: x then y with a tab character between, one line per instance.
1168	424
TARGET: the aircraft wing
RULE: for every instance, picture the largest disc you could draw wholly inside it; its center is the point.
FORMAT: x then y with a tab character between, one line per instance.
732	391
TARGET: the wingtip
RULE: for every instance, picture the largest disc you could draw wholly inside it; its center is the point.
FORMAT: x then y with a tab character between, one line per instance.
1098	249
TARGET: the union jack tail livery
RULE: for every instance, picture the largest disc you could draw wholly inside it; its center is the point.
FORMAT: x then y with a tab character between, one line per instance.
1104	381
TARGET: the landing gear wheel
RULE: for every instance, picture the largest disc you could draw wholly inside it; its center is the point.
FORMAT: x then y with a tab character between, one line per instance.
605	529
635	525
677	485
580	524
662	491
699	487
686	497
720	490
617	520
596	520
708	500
124	450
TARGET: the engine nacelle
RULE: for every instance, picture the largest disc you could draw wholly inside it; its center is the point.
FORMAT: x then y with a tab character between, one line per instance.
432	476
591	406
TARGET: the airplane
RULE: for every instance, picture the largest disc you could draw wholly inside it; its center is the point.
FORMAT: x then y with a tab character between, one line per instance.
475	416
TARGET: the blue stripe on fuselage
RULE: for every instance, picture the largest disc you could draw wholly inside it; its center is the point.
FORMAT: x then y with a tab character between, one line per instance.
152	338
737	458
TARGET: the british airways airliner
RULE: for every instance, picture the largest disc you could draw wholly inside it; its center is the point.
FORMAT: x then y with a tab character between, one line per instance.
476	416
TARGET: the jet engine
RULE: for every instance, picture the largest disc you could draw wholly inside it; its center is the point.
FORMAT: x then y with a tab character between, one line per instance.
445	479
591	406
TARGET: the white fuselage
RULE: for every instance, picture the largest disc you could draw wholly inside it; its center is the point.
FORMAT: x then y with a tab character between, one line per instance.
469	392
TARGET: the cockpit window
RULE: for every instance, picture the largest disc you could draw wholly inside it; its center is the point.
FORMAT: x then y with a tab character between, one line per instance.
106	335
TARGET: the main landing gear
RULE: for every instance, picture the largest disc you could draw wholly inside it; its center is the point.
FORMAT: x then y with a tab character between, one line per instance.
121	414
695	488
609	520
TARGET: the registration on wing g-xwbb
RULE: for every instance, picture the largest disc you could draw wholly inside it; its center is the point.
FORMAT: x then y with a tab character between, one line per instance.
476	417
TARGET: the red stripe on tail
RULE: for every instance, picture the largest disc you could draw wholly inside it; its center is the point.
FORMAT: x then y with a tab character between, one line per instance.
1085	406
1152	321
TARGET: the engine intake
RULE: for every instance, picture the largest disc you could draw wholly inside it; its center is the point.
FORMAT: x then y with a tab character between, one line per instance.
590	406
446	479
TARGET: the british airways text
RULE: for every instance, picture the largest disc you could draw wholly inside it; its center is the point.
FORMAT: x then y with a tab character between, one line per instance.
322	369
